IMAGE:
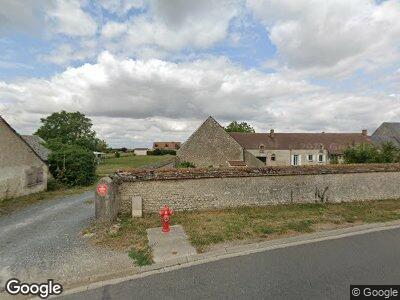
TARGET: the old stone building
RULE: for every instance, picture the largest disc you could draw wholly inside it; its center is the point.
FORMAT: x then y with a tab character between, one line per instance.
387	132
22	170
166	145
211	145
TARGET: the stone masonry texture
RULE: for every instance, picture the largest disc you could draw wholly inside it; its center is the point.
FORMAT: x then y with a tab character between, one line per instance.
17	159
210	145
202	189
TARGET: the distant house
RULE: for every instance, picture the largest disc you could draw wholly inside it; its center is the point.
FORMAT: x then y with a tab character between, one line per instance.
211	145
166	145
100	156
141	151
36	143
387	132
22	170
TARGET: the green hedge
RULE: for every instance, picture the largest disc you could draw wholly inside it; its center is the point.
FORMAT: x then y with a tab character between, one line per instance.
161	152
73	165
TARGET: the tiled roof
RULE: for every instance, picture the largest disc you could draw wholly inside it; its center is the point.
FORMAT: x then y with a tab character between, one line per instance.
36	143
335	143
387	132
20	137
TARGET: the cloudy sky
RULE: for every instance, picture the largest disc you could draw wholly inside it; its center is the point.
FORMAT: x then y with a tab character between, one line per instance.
154	70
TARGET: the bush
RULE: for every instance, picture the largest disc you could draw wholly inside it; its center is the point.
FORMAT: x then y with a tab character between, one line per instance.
72	165
361	154
161	152
117	155
388	153
54	185
186	164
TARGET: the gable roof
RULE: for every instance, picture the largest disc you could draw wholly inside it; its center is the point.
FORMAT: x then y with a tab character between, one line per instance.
387	132
36	143
20	137
335	143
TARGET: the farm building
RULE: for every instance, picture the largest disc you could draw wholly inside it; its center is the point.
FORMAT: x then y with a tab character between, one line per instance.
22	170
211	145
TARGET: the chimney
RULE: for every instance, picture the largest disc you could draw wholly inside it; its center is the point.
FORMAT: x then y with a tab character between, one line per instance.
271	133
364	132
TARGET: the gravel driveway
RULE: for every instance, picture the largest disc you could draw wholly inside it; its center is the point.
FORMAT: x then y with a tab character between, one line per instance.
43	241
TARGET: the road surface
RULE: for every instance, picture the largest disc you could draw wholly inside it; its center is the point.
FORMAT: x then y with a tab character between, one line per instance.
43	241
321	270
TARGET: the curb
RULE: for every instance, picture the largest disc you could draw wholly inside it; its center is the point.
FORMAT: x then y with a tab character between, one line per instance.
223	253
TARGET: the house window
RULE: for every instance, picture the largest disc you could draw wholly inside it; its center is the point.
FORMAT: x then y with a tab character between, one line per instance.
273	158
310	157
34	176
320	158
262	158
296	160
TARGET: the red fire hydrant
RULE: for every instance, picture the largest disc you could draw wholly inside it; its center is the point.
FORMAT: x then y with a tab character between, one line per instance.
165	215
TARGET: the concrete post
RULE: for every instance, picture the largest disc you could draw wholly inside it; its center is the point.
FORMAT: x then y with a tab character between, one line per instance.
106	206
137	209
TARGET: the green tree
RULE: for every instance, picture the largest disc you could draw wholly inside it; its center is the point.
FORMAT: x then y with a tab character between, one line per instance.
363	153
73	165
69	128
389	153
239	127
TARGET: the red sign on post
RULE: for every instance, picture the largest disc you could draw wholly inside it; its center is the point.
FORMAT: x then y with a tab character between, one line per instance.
102	189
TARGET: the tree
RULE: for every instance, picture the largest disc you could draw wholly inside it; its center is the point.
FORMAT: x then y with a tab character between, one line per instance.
389	153
362	153
73	165
239	127
69	128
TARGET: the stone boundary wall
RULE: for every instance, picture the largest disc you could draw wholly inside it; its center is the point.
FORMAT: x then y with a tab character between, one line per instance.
199	173
201	189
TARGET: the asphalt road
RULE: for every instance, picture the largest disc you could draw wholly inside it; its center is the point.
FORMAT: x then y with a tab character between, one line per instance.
322	270
43	241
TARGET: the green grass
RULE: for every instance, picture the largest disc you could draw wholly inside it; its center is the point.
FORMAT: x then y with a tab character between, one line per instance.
206	228
141	257
128	161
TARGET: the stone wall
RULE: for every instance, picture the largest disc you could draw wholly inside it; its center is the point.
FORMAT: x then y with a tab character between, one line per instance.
18	162
191	189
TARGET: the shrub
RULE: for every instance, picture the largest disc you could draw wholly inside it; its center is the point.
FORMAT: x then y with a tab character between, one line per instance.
54	185
186	164
361	154
387	153
117	154
161	152
73	165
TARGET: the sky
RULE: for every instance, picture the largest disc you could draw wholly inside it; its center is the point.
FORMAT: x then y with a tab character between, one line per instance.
153	70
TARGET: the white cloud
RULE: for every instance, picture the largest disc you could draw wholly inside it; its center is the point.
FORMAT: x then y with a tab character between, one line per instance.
332	37
19	15
113	29
176	24
121	7
68	17
133	102
65	53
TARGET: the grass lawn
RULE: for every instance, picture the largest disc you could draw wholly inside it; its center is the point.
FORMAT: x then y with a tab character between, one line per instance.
127	161
10	205
209	228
